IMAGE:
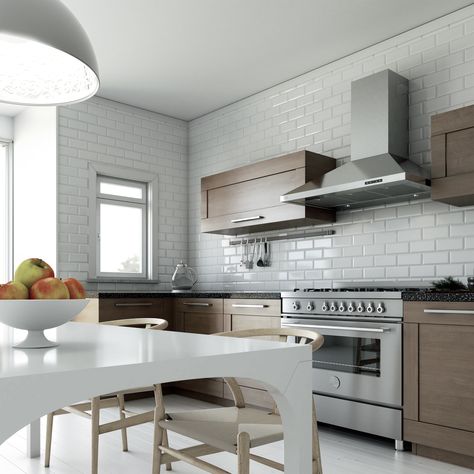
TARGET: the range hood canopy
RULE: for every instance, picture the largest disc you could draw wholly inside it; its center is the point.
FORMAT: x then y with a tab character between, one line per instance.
379	171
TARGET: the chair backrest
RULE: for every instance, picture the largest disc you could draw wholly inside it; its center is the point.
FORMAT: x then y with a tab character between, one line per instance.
305	336
156	324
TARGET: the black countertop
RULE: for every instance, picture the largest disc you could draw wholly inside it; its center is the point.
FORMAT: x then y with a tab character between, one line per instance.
267	295
448	296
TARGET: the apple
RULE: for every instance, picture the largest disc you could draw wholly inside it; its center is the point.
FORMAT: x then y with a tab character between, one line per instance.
13	290
31	270
76	290
49	289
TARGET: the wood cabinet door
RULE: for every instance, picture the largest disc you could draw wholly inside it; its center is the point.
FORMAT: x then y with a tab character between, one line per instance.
203	323
446	375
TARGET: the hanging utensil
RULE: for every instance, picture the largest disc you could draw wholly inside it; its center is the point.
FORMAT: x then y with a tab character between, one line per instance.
242	262
260	262
266	255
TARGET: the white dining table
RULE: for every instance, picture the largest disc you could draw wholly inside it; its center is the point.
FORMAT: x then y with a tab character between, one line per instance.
93	359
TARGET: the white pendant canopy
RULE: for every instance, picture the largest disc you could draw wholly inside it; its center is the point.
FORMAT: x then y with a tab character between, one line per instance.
46	57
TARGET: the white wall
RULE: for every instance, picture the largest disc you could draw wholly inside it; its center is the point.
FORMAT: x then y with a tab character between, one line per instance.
6	127
103	131
418	241
35	185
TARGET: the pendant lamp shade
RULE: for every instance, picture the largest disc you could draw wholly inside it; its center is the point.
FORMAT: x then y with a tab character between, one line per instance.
46	57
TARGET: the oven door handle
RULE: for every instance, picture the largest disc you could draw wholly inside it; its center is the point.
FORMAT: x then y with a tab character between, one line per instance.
337	328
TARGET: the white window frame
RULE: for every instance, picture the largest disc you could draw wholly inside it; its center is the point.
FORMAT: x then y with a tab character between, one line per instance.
149	183
7	252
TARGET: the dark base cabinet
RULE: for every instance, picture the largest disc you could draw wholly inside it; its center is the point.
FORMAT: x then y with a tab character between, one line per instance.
439	380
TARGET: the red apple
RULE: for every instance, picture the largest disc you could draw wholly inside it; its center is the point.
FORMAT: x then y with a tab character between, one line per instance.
31	270
49	289
76	290
13	290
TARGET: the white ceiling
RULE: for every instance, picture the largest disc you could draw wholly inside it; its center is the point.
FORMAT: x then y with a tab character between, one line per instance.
185	58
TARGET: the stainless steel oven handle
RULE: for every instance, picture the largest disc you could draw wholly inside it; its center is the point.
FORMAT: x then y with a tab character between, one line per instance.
449	311
337	328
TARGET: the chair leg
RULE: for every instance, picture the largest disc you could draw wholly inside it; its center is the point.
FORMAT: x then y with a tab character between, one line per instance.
121	405
243	453
95	419
317	467
165	443
49	437
157	440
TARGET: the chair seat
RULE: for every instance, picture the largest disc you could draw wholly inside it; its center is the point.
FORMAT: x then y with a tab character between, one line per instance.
219	427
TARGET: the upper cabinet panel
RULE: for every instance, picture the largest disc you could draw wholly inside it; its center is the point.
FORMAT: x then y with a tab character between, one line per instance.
452	156
247	199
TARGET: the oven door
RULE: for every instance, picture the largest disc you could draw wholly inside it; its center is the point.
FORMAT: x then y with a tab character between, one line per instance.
359	360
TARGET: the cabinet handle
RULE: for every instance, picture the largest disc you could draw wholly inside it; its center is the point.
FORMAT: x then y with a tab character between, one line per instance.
249	306
245	219
449	311
129	305
198	304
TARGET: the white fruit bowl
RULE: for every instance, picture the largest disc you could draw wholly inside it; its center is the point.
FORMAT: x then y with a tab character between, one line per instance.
37	315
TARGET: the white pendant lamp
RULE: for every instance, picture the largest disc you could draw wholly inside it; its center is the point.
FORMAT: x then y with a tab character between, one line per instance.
46	57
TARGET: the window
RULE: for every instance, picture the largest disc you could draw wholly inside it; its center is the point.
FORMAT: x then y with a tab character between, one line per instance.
122	227
5	213
123	223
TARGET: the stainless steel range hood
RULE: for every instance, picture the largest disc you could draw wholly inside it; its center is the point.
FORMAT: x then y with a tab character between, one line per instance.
379	171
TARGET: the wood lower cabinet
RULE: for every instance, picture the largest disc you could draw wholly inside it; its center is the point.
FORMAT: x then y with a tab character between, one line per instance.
252	314
439	380
247	199
452	156
200	316
124	308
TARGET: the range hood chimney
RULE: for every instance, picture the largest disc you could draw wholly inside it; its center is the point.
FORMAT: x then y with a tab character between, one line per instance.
378	171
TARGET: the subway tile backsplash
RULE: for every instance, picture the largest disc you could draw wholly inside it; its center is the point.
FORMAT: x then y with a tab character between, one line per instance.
419	240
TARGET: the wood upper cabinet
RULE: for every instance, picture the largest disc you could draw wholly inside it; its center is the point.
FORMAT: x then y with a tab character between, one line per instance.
439	378
247	199
452	156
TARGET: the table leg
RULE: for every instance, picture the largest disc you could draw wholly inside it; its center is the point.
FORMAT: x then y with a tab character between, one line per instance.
295	407
33	438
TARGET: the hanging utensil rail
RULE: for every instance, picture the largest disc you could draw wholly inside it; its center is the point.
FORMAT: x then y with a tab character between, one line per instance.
275	238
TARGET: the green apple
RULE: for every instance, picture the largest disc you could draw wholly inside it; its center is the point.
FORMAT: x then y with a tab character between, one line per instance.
13	290
49	289
31	270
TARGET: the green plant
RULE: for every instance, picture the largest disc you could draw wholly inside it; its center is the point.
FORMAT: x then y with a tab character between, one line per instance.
449	283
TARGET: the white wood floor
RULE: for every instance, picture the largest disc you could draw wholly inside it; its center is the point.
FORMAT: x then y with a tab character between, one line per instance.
342	452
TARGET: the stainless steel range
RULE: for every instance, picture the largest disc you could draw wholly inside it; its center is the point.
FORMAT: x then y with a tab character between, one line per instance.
357	374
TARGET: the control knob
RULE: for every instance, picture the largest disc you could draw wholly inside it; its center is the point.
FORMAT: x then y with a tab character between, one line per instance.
360	308
324	307
342	307
333	307
296	305
309	306
370	308
380	308
351	308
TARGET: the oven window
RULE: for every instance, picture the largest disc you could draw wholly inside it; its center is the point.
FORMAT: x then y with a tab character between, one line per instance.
355	355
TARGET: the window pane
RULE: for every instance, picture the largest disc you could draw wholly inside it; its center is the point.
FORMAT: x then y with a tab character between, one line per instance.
124	190
4	227
121	235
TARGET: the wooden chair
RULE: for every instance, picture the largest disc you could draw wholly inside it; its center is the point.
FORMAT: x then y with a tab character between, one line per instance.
91	409
234	429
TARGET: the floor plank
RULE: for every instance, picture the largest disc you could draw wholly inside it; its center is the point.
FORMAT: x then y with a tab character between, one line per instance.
342	451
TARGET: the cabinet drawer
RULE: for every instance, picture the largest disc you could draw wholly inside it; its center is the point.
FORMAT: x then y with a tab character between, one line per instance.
199	305
253	194
203	323
123	308
435	312
253	307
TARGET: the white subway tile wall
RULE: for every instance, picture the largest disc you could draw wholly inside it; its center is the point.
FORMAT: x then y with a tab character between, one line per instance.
108	132
421	240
